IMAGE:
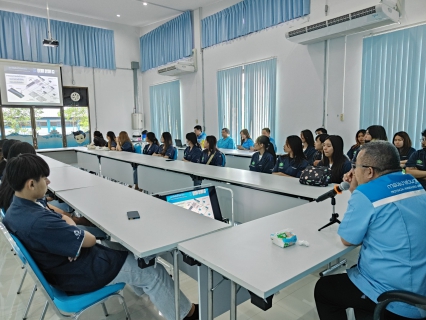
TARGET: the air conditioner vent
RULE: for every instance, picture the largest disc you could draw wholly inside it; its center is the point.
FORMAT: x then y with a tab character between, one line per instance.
317	26
362	13
338	20
163	70
297	32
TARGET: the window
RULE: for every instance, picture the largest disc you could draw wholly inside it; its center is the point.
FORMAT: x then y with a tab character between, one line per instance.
394	81
165	109
247	98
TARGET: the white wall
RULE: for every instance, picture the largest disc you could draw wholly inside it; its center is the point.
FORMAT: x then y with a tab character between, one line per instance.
114	89
300	89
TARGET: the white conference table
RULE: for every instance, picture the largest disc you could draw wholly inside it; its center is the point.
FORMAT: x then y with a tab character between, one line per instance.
246	255
52	162
160	228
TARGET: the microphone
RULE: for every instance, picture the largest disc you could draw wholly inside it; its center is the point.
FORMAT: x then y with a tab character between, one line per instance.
336	190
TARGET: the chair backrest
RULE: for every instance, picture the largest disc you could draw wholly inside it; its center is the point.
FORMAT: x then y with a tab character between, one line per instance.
223	159
12	243
20	249
138	148
176	153
2	213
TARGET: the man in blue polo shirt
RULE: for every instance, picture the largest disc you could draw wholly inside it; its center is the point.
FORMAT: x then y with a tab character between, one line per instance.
69	257
201	136
267	132
416	164
226	142
386	217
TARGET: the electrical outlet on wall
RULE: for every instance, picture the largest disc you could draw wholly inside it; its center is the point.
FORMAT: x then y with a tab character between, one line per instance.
342	117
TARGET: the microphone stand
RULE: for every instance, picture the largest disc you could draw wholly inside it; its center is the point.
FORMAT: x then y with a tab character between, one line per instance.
334	215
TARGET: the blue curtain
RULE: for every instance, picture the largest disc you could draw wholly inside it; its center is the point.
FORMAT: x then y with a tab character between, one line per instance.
260	96
250	16
165	109
21	38
169	42
393	92
229	92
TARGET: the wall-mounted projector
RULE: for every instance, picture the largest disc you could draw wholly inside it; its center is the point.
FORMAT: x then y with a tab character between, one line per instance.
50	43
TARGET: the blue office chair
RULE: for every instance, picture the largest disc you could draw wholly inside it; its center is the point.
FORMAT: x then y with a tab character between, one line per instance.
410	298
223	159
75	305
138	148
176	153
24	262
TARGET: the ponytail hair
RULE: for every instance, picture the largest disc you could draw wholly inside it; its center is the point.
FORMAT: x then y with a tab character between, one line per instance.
269	147
192	137
151	136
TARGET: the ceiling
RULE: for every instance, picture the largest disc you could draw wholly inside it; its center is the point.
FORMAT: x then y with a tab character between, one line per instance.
132	12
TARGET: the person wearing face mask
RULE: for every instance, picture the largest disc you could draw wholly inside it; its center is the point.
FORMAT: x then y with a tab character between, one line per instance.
373	133
193	150
402	141
416	164
335	158
263	160
360	140
294	162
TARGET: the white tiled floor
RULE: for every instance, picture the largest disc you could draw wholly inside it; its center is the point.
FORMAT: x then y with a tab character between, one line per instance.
296	302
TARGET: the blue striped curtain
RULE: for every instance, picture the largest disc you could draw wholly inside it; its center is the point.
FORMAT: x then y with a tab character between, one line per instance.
169	42
21	38
229	94
250	16
393	92
260	96
165	109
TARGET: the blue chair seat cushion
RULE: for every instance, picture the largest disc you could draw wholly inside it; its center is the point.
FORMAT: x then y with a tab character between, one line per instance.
71	304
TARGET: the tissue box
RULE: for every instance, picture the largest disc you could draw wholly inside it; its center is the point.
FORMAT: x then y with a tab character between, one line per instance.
284	238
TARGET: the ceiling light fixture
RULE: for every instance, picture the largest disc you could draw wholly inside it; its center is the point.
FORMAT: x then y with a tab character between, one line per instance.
145	3
118	15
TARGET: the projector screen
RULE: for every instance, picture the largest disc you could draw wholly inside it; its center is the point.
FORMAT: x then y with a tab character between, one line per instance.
30	84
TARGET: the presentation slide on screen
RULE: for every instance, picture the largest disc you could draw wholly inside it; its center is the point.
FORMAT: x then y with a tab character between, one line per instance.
197	201
31	85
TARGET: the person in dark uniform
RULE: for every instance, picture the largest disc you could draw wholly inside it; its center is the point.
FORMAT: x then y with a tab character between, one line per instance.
308	145
152	144
166	150
319	140
359	139
112	143
211	154
335	159
294	162
193	150
98	139
416	164
263	160
401	140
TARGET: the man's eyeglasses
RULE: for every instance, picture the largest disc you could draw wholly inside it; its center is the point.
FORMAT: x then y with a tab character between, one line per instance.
354	166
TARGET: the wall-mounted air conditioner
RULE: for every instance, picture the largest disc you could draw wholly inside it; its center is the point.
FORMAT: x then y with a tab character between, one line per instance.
180	67
361	20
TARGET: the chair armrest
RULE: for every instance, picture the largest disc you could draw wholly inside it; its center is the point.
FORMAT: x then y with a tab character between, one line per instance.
398	296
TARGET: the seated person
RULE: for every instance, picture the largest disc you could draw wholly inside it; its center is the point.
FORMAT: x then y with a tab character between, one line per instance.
226	142
335	159
152	144
246	141
294	162
112	144
359	139
166	150
267	132
388	224
373	133
193	150
125	144
402	141
319	140
74	262
320	131
263	160
5	150
308	145
211	155
98	139
416	164
201	136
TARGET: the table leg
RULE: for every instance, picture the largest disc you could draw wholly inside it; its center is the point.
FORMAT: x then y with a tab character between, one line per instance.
199	292
176	279
233	310
209	294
